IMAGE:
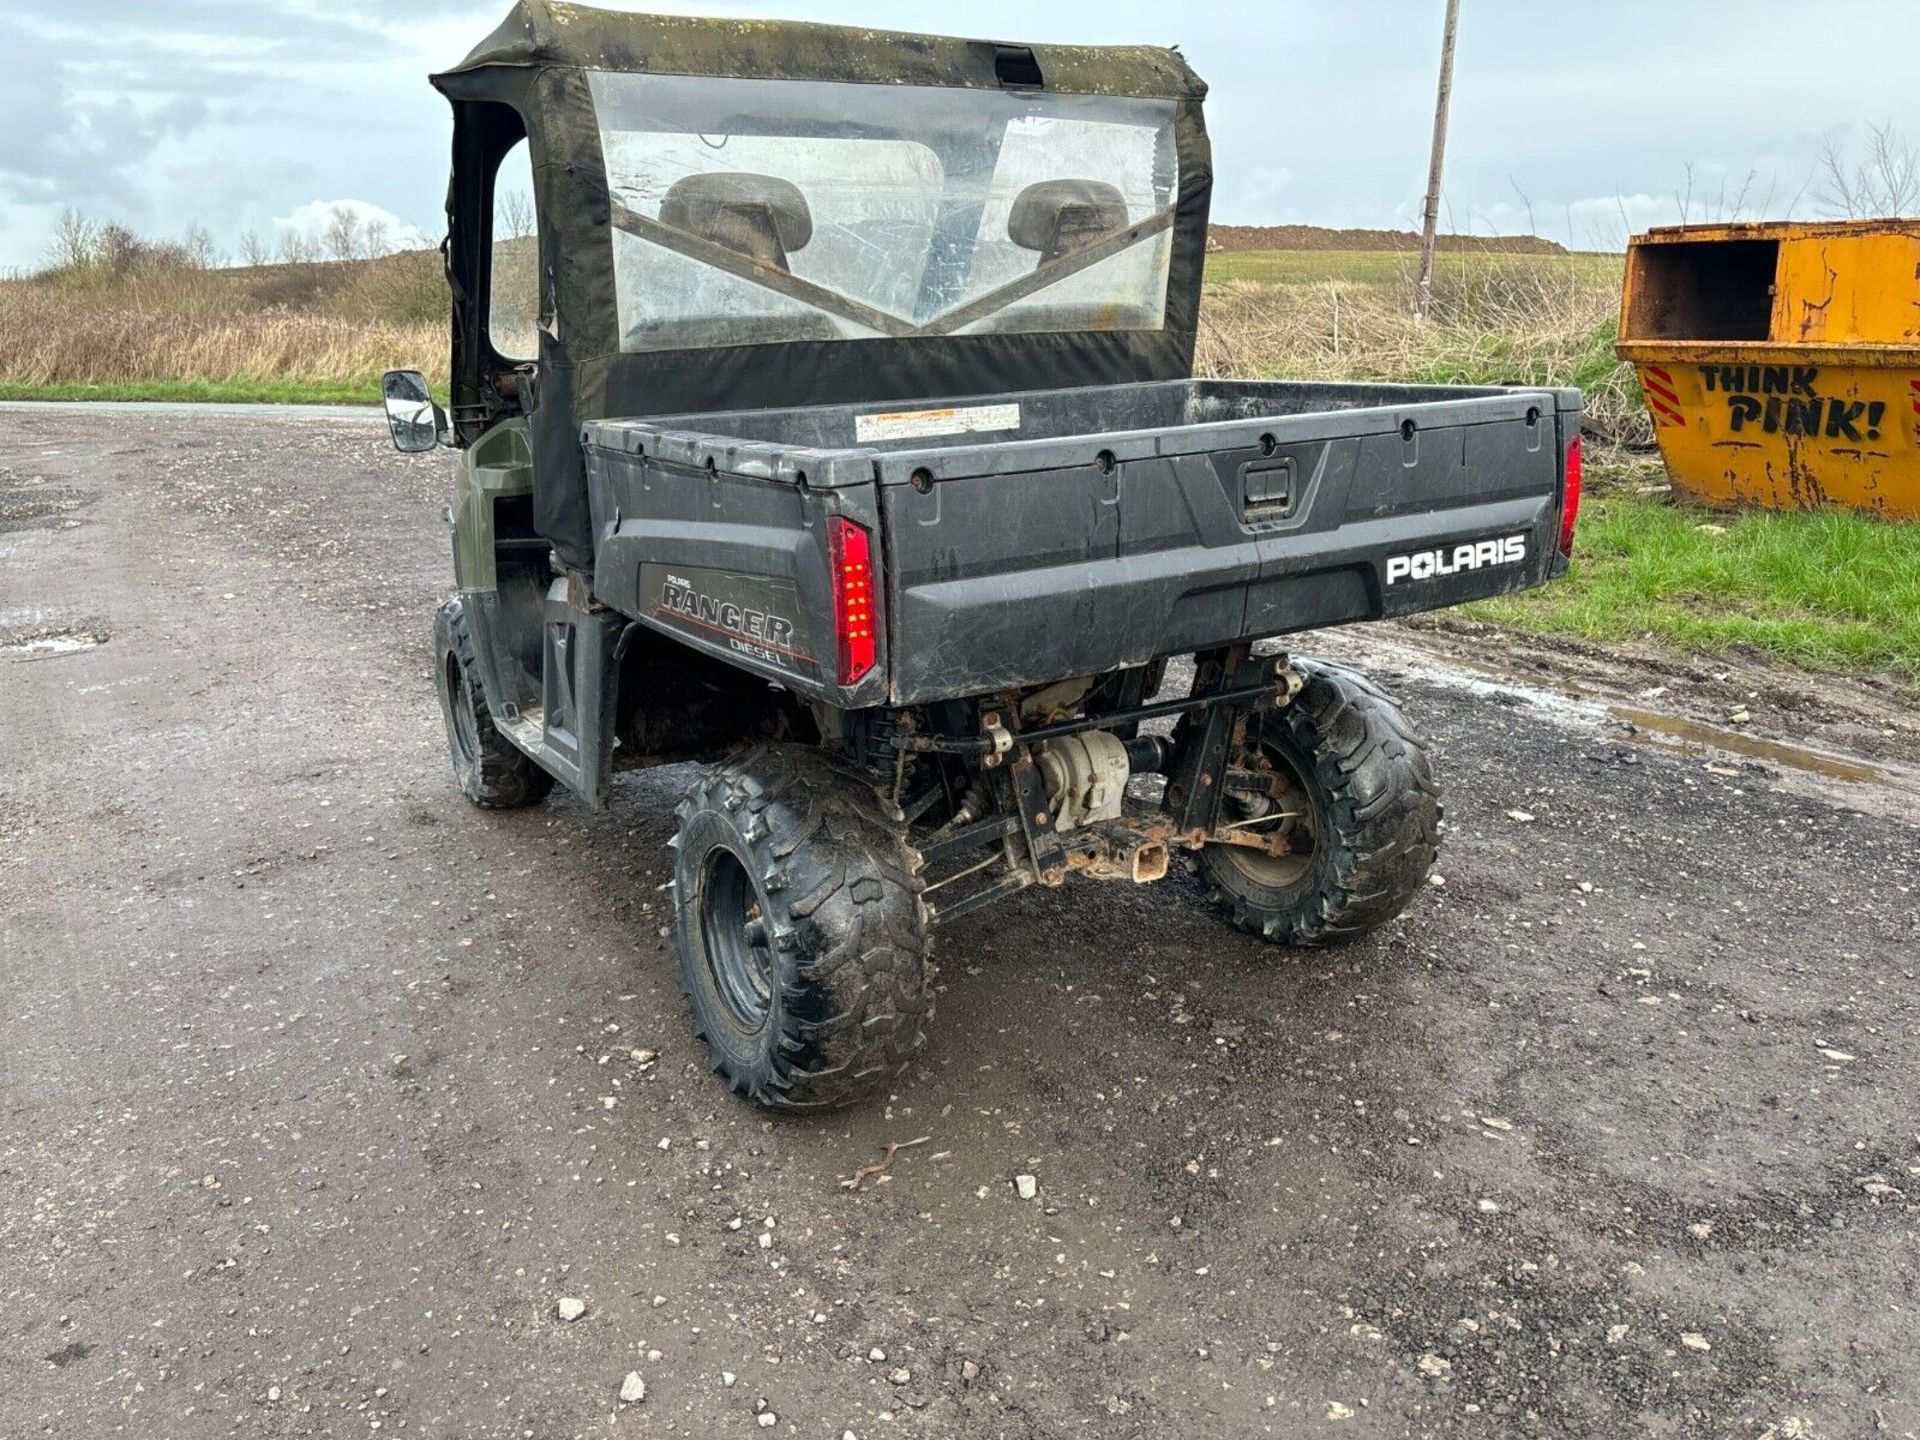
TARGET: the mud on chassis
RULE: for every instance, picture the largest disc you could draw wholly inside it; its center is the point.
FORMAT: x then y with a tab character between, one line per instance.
810	877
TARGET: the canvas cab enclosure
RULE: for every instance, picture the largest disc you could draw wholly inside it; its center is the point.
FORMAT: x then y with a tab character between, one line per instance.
830	422
741	215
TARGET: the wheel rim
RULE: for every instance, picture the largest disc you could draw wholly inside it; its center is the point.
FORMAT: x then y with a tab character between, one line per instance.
734	942
1291	813
465	726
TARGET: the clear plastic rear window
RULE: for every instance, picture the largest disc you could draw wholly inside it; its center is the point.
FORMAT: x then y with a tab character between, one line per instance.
759	212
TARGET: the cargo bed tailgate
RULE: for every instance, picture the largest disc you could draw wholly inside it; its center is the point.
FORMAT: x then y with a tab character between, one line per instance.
1023	561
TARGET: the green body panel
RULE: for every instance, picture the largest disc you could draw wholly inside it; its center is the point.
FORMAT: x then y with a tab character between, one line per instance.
499	463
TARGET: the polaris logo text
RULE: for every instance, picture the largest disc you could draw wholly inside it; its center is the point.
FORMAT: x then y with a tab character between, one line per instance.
1479	555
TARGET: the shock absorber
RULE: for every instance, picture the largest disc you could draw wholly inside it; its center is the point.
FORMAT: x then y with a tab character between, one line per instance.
972	806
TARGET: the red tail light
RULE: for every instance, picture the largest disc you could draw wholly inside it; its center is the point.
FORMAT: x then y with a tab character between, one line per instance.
850	552
1570	497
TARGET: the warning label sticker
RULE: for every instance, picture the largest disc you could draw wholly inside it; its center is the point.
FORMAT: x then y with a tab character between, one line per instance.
919	424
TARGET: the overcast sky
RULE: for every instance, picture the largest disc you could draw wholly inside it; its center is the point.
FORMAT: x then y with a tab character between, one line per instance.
252	114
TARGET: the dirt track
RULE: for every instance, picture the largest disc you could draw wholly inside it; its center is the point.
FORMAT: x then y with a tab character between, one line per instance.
318	1089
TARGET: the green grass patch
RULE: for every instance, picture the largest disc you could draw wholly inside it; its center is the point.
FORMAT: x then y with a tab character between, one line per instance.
264	391
1824	590
1499	358
1308	267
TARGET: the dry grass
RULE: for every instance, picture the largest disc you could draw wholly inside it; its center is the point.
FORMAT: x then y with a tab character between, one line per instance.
50	346
326	325
159	317
1544	323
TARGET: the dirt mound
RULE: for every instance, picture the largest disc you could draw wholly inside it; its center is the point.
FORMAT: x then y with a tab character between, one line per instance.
1316	237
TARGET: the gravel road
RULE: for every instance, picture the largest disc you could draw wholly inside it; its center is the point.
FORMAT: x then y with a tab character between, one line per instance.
321	1091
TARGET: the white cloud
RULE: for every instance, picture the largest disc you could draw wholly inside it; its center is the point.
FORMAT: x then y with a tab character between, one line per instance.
374	227
225	114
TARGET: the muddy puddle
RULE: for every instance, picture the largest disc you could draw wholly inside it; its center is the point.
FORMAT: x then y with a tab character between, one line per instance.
1875	783
45	644
1676	732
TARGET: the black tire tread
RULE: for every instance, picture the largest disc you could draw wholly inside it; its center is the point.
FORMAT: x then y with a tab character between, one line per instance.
843	895
1380	828
504	778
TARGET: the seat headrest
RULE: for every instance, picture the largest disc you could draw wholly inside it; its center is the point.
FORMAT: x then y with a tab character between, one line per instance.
760	216
1057	217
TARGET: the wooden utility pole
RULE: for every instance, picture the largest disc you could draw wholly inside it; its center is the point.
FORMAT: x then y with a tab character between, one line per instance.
1423	297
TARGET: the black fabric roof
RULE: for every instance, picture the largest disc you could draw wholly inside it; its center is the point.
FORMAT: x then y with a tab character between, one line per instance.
541	33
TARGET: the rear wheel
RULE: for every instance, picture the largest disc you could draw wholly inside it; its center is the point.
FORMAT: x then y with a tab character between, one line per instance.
803	943
493	772
1344	780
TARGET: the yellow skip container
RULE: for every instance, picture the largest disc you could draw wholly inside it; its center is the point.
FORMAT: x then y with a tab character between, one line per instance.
1781	361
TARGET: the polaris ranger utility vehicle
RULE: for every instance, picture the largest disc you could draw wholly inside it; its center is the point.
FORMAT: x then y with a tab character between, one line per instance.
831	421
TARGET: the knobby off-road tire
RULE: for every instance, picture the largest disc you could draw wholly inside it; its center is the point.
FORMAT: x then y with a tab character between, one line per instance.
493	772
1373	821
803	942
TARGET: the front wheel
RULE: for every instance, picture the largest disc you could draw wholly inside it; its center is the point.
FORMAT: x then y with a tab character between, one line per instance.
1343	778
803	942
493	772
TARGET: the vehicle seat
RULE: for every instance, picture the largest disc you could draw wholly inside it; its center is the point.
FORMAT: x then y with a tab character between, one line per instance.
1057	217
759	216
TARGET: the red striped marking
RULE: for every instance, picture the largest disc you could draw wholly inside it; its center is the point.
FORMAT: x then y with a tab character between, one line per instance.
1661	397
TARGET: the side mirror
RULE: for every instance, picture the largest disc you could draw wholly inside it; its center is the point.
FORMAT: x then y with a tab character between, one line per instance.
415	421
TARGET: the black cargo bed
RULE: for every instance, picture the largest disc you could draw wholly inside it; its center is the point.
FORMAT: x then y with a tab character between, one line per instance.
1032	536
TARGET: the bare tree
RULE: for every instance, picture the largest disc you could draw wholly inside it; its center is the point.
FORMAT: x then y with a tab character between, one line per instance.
343	233
1883	179
197	246
253	248
1724	207
120	248
514	215
76	241
373	236
297	248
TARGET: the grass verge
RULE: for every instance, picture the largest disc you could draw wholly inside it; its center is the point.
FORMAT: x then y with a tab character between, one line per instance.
1824	590
288	391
